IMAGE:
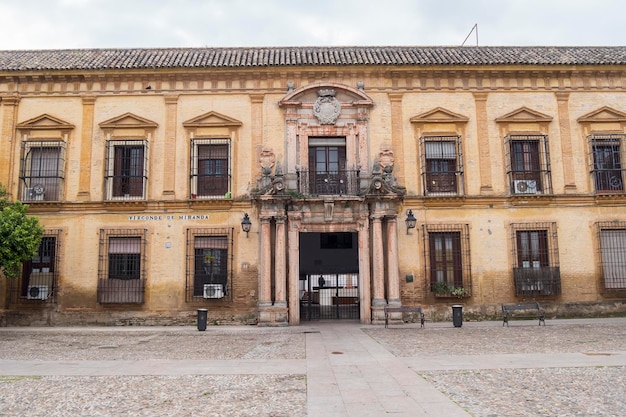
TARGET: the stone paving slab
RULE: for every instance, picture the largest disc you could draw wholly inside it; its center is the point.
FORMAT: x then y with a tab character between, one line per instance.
567	368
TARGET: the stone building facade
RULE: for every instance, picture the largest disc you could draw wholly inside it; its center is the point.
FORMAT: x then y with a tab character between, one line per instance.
368	176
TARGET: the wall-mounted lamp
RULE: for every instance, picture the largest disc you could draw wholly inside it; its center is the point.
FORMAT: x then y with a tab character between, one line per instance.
410	221
246	224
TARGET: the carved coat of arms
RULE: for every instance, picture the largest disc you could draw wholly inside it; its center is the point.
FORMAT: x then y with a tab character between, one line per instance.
326	108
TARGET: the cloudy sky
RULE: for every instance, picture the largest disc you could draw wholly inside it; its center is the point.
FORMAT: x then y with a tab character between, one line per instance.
53	24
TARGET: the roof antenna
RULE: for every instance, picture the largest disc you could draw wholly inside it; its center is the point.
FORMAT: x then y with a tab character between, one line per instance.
474	28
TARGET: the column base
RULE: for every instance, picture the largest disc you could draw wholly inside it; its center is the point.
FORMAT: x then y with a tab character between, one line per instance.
378	310
273	315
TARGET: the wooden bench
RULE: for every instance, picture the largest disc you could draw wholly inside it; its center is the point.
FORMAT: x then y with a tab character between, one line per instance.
417	310
526	310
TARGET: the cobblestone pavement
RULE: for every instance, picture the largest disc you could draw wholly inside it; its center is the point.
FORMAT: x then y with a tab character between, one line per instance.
482	391
533	391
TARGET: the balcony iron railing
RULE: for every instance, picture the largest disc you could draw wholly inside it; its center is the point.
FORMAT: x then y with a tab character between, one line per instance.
343	182
537	281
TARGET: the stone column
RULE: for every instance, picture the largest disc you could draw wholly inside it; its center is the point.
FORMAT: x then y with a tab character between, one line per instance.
378	262
169	148
484	155
566	142
9	109
397	125
280	270
365	292
87	134
393	269
265	280
294	272
256	131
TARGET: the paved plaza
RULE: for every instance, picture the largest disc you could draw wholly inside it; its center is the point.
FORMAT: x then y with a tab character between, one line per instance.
325	369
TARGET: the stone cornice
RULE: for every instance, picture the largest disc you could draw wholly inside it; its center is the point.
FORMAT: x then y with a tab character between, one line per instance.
274	80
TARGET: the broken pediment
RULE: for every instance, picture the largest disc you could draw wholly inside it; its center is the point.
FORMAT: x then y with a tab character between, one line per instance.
311	92
128	120
45	122
524	115
603	115
212	119
439	115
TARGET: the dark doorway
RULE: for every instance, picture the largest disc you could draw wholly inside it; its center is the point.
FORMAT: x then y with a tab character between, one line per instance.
329	276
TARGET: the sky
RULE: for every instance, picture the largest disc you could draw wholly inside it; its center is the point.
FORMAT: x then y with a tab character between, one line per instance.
71	24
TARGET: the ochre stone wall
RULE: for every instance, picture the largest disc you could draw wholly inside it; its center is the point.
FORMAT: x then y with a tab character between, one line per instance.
242	105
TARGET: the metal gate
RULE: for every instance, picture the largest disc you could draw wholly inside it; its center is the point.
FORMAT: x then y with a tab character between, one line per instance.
329	297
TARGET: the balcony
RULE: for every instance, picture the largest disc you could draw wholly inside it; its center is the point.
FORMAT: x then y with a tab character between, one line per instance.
537	281
344	182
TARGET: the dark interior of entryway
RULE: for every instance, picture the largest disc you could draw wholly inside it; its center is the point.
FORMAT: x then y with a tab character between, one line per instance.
329	276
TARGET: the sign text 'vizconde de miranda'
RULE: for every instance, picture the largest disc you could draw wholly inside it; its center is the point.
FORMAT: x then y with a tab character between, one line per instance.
160	217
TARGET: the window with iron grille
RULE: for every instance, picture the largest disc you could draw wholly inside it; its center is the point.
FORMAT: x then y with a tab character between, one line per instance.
209	263
612	237
121	269
39	279
528	164
442	165
210	168
606	158
536	259
126	169
42	171
447	259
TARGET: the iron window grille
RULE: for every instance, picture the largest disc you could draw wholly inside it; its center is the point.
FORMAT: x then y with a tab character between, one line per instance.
612	253
447	259
441	165
42	171
209	264
38	282
210	168
535	255
606	163
126	169
528	164
122	266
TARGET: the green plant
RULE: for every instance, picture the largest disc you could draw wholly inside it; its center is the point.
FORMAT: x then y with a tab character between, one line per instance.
459	292
441	288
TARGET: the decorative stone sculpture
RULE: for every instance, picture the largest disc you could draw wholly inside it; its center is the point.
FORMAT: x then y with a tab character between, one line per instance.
326	108
267	161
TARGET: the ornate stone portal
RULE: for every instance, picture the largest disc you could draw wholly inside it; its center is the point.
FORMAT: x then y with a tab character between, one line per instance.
286	210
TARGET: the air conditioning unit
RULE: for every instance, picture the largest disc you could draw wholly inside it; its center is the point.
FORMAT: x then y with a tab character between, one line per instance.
213	291
525	186
37	292
35	193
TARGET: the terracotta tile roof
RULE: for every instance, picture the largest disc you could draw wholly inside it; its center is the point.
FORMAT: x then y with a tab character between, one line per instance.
167	58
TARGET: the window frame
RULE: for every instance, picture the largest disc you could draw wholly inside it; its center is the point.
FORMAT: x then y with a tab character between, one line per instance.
111	170
432	177
52	182
18	289
115	288
613	184
461	283
525	166
222	240
612	263
538	273
196	143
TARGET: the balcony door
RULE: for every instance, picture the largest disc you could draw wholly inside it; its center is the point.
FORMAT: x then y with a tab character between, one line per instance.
327	165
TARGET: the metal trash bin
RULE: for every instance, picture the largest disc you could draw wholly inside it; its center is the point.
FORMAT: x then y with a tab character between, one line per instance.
457	315
202	318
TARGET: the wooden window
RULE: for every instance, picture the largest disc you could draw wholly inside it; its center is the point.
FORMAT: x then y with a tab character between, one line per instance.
210	168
